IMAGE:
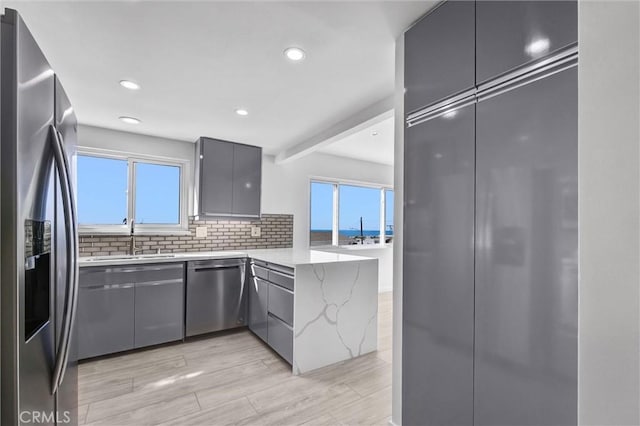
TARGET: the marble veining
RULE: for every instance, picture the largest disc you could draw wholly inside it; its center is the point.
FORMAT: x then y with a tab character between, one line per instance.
335	313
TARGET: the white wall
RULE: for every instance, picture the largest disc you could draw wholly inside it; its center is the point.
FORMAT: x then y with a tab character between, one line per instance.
609	185
398	226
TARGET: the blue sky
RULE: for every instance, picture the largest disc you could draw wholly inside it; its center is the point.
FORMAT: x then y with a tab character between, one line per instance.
102	192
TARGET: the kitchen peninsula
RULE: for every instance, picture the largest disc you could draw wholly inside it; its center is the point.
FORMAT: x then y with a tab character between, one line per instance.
314	308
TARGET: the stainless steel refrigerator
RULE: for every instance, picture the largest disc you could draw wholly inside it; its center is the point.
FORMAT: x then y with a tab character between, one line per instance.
39	247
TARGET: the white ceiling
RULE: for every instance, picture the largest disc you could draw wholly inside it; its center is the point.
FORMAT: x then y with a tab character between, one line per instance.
199	61
364	145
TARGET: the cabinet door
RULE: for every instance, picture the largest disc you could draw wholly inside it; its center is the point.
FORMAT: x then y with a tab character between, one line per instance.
247	174
258	303
527	255
159	311
440	55
437	363
512	33
105	319
216	180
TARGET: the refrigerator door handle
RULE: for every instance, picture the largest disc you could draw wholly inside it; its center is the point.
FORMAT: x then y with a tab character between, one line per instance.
68	203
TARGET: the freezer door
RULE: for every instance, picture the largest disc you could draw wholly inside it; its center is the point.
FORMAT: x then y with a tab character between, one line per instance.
27	191
527	255
67	124
437	341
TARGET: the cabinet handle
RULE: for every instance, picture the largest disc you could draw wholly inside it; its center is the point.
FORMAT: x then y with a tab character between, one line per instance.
156	283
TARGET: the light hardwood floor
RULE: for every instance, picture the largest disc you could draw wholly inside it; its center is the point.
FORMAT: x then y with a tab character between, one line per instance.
233	378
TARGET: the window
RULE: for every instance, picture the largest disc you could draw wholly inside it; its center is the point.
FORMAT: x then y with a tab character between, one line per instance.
102	190
350	214
321	233
112	190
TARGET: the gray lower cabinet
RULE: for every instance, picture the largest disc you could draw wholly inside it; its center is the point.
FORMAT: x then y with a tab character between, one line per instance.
105	312
438	304
122	308
513	33
440	55
159	310
258	300
281	338
271	306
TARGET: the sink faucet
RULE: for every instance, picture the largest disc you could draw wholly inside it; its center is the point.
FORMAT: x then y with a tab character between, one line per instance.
132	240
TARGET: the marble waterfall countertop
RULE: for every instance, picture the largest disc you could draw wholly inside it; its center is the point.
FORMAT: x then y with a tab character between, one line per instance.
286	257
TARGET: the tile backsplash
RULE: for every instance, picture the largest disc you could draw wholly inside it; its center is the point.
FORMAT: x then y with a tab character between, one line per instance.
276	231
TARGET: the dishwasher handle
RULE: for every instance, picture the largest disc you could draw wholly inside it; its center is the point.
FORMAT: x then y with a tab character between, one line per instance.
215	264
214	268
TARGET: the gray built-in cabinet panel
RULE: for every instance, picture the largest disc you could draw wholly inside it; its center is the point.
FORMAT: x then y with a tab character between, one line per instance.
440	55
438	295
159	307
513	33
527	255
229	178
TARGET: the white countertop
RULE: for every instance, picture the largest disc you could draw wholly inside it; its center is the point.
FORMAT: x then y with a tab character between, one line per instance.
286	257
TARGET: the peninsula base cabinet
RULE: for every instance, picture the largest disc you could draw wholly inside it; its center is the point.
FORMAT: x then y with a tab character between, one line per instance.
122	308
271	306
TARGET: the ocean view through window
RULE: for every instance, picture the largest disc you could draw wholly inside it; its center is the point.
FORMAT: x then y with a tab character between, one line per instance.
350	214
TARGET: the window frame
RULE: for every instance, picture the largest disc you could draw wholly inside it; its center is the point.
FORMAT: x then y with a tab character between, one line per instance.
335	231
151	229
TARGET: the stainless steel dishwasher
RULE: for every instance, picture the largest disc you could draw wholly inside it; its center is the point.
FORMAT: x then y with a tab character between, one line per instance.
216	299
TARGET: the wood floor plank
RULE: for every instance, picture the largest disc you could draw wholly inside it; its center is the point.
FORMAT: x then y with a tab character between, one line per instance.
154	413
226	414
366	411
106	388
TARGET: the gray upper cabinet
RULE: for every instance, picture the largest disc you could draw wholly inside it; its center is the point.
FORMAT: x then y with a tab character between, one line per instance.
440	55
513	33
247	171
437	352
229	178
216	177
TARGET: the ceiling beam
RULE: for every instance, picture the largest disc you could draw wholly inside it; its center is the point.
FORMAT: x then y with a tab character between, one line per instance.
367	117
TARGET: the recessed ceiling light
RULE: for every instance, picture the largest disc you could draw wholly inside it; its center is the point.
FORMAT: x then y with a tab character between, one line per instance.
538	47
128	84
129	120
374	133
241	111
294	53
